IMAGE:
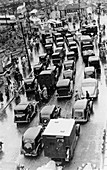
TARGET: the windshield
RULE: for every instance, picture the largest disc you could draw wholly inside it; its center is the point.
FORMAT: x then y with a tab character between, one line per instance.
19	112
88	84
78	113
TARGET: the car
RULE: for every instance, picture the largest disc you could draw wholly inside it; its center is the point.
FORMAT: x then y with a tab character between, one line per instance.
24	112
37	68
86	40
95	61
64	88
49	49
70	64
44	59
69	74
71	55
60	138
90	72
57	60
75	50
61	51
49	112
87	51
32	143
47	78
90	85
30	85
82	110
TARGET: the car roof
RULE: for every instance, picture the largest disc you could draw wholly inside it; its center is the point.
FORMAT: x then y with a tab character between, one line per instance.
89	80
46	72
68	62
52	67
71	52
63	83
80	104
59	127
91	68
93	58
85	38
28	80
22	106
55	53
48	109
32	132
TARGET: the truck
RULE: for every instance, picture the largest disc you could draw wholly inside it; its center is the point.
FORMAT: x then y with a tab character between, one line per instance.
60	138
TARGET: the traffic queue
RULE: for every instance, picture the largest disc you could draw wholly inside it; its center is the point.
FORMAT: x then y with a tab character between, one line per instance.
56	135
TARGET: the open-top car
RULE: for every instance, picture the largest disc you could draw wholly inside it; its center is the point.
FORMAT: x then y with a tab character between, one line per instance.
32	144
90	85
81	110
49	112
25	111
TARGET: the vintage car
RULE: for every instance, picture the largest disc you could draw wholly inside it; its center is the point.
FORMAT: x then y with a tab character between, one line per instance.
24	112
90	85
86	40
55	70
70	64
30	85
69	74
95	62
56	35
86	52
60	138
32	143
37	68
64	88
59	39
90	30
47	78
60	50
61	44
44	59
49	49
81	110
90	72
71	55
49	40
49	112
75	50
57	60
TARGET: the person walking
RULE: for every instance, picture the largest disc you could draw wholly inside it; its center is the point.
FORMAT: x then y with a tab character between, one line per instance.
44	93
87	95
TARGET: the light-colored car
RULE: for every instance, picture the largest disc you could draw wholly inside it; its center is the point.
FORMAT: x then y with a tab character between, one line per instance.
90	85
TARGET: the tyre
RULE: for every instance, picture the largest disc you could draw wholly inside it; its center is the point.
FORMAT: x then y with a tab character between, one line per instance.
78	130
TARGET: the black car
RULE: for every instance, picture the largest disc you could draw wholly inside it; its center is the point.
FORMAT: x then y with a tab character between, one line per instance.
32	144
25	111
49	112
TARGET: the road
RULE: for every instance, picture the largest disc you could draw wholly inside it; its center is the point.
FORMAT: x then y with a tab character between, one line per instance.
89	145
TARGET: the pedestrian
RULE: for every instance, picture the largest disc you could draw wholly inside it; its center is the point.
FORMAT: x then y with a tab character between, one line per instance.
1	97
77	97
45	93
37	44
87	95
